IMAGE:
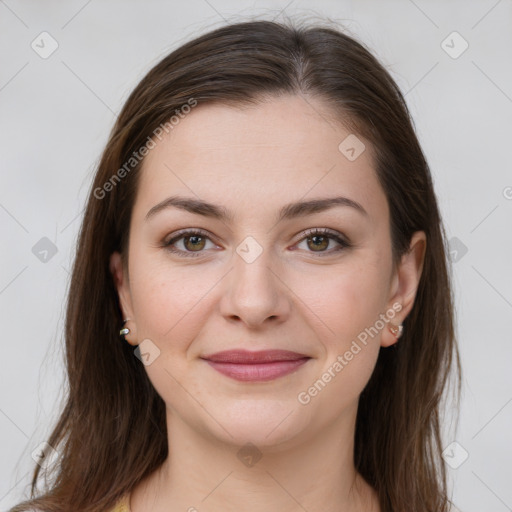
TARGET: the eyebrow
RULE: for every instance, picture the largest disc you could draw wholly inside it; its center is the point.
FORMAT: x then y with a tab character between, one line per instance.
287	212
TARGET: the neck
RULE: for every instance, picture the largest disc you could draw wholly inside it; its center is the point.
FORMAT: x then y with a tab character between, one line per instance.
203	474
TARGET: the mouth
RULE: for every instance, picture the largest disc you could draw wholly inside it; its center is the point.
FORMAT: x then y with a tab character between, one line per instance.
244	365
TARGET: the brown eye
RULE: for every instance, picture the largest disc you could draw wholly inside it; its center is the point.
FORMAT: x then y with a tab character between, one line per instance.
194	242
318	242
188	243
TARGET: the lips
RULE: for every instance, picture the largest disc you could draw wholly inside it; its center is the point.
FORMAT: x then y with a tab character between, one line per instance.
247	357
244	365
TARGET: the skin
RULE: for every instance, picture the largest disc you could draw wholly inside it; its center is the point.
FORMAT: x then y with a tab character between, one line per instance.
294	296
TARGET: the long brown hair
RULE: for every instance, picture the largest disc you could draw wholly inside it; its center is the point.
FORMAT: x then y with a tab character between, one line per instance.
111	432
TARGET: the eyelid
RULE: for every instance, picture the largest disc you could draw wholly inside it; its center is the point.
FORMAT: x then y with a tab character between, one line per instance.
188	231
323	231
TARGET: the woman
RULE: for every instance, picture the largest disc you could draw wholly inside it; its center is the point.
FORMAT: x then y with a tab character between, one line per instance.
263	233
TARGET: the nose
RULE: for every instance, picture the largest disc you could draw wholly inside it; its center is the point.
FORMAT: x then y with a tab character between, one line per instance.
255	292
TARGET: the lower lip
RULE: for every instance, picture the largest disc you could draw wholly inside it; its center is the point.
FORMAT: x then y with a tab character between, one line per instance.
257	372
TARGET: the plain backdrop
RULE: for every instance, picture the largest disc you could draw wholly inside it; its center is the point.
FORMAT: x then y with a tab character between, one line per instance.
450	58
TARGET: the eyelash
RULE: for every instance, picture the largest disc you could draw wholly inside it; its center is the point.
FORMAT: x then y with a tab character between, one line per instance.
332	235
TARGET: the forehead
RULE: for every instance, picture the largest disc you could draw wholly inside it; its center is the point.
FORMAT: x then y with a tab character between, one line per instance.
254	156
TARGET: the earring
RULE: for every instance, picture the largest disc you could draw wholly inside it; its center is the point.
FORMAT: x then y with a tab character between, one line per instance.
124	330
396	330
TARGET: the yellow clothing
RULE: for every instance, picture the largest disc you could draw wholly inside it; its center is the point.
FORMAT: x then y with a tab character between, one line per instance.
123	505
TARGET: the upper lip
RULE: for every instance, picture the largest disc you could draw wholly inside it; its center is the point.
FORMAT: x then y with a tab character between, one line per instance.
249	357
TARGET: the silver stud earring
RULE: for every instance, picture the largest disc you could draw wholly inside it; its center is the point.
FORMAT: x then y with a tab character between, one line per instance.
124	331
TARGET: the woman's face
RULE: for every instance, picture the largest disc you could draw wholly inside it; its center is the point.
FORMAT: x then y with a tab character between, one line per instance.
256	280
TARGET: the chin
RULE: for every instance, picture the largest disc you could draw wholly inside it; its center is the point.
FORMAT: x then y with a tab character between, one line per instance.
272	425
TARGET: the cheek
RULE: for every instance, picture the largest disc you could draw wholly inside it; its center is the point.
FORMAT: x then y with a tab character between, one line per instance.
168	301
350	305
171	307
345	302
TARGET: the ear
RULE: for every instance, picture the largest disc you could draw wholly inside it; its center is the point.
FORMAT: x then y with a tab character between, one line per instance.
404	284
123	291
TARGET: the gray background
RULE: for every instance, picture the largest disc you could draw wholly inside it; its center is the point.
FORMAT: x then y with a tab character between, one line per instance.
56	113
